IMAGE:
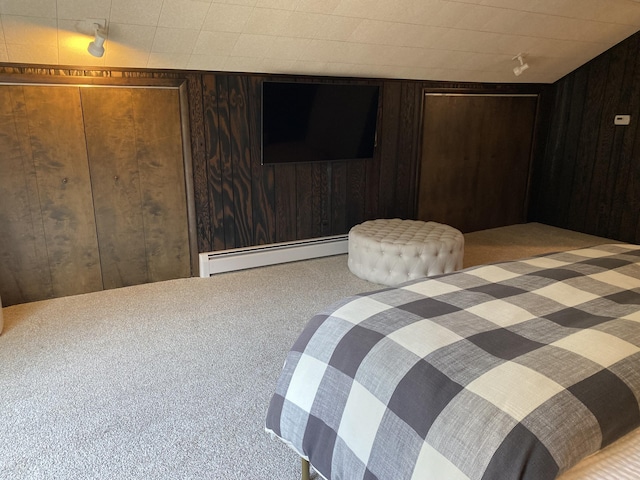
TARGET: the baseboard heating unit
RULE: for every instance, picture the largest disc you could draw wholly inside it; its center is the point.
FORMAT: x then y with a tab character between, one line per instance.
271	254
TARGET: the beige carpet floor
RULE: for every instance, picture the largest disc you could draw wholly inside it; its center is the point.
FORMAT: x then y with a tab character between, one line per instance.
171	380
521	241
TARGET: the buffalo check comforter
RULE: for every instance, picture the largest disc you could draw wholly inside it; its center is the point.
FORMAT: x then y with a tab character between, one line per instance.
516	370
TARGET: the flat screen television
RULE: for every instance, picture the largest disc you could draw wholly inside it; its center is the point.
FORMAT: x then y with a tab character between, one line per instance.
317	122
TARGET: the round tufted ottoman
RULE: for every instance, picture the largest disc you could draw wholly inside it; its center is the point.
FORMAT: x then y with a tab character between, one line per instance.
395	251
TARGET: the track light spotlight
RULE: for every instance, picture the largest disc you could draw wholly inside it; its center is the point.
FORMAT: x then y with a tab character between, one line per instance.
517	70
96	47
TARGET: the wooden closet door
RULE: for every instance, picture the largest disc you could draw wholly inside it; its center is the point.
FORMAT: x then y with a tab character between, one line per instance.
475	163
60	156
161	160
117	197
136	159
50	240
24	266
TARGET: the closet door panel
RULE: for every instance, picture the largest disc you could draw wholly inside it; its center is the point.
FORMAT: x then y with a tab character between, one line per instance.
115	178
160	159
93	190
24	267
476	152
56	135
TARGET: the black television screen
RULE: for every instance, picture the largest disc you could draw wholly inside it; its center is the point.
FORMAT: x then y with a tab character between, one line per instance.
307	122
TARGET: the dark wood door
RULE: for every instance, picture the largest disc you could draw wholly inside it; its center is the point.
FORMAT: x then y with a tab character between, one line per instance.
476	152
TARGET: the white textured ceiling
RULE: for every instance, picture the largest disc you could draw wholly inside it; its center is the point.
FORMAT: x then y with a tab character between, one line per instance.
456	40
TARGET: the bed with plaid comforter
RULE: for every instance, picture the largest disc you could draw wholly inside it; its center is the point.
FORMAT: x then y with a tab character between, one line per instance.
516	370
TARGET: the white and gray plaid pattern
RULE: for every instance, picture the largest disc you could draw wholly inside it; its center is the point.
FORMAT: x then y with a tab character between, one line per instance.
515	370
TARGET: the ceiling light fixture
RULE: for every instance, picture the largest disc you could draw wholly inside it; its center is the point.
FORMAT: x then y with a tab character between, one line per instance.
96	48
517	71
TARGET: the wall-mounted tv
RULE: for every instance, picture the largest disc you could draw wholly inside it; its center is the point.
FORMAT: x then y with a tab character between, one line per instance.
317	122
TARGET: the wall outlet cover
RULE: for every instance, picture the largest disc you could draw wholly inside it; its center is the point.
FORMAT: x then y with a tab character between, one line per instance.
622	120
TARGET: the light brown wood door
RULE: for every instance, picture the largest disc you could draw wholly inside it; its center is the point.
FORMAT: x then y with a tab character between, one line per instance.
24	268
92	190
48	238
137	174
476	152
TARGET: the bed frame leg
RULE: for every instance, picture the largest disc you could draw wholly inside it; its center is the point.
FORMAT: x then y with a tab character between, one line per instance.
306	474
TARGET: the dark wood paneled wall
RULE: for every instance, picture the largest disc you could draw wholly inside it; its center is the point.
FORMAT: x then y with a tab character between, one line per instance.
251	204
588	178
239	202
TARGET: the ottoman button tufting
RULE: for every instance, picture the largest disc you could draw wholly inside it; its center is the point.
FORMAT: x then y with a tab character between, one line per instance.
410	249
